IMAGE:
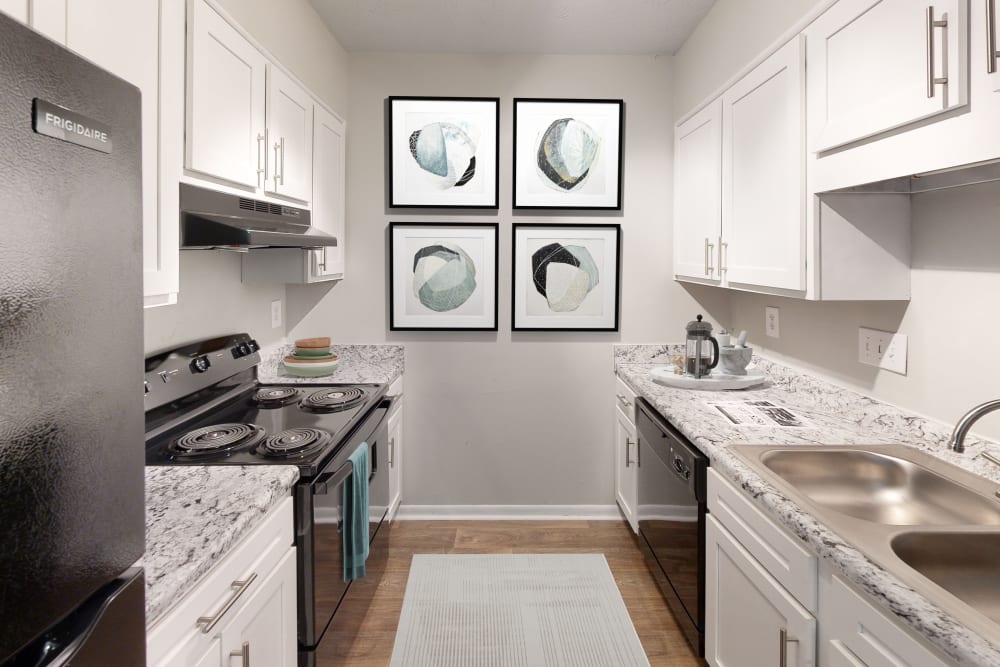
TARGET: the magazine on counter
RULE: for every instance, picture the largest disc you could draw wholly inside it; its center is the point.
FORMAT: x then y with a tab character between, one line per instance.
759	414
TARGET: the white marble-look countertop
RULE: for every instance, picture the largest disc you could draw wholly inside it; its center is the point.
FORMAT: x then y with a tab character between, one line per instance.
840	417
195	515
359	364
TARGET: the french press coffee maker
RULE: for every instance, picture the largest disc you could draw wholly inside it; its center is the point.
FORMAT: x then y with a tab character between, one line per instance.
699	359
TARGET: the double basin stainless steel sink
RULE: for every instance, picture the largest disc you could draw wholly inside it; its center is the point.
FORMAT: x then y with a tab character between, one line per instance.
933	525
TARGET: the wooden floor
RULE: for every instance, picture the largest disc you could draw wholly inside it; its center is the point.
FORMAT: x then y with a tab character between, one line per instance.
372	646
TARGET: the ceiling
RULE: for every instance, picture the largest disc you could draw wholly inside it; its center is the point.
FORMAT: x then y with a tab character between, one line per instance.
513	26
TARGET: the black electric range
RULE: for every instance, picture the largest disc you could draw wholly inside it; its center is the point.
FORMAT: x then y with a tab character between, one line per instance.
205	406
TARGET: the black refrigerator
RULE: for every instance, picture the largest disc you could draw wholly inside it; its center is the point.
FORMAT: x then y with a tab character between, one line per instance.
71	393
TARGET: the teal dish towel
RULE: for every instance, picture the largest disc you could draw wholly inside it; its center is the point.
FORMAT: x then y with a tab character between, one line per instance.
355	517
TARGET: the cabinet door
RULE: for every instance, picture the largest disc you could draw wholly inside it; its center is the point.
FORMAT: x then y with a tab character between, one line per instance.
626	451
885	66
329	189
263	632
16	9
395	459
195	654
855	629
763	174
750	619
697	194
128	46
225	100
289	137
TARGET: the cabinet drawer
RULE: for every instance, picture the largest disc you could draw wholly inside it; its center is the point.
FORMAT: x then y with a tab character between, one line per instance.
854	629
778	552
178	633
625	400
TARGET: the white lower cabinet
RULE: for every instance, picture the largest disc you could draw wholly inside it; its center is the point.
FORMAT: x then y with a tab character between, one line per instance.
751	620
626	452
855	633
243	609
770	602
395	391
16	9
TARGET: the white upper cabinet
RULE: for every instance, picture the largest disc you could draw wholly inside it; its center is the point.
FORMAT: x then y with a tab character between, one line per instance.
697	194
883	64
289	114
763	174
328	188
225	101
16	9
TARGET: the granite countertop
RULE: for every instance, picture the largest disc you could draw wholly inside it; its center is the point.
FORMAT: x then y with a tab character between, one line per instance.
359	364
195	515
839	417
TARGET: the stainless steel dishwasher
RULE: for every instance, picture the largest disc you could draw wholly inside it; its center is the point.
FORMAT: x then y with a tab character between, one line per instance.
671	508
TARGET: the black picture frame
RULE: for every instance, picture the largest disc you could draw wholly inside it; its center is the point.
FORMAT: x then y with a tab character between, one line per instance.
407	314
527	314
600	186
405	176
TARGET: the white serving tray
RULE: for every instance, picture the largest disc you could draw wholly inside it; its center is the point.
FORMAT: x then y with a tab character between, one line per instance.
717	381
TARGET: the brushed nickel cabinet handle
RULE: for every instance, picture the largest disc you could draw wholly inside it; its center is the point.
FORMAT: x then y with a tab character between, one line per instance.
277	147
931	24
392	452
991	36
208	623
628	444
784	640
707	260
723	256
624	400
244	653
282	160
261	139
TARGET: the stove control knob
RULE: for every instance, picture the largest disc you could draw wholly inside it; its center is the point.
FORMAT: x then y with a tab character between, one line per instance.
253	346
237	352
200	364
244	349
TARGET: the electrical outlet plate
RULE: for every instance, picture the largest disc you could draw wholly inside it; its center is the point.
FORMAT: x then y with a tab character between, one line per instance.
883	349
276	314
772	323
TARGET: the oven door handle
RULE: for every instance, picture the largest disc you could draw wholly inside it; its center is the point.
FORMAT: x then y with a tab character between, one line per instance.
323	482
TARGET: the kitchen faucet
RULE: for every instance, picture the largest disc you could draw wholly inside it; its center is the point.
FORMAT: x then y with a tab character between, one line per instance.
957	440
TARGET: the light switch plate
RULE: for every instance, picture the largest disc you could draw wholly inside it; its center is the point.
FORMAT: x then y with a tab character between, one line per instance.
276	314
772	323
883	349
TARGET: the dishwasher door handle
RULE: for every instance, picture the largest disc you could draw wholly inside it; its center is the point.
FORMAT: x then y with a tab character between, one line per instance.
680	469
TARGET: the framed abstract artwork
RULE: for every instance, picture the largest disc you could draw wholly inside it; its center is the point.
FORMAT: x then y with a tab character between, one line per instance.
442	276
565	277
443	152
568	153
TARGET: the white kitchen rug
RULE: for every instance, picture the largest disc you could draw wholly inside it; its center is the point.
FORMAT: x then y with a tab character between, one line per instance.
514	610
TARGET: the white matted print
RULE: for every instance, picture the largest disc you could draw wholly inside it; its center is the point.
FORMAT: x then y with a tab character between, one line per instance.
568	153
442	276
443	152
565	277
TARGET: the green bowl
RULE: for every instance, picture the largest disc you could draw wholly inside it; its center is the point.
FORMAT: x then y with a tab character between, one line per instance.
310	371
313	357
307	352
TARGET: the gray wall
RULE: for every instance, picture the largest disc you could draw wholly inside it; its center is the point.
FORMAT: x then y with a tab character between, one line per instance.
956	267
212	299
508	418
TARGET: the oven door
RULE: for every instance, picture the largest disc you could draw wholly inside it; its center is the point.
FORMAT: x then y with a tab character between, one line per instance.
319	533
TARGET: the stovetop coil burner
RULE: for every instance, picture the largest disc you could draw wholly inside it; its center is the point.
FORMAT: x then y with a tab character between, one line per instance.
217	438
275	397
333	399
294	442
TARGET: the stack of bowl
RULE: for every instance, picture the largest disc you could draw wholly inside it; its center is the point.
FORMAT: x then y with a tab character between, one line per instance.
312	358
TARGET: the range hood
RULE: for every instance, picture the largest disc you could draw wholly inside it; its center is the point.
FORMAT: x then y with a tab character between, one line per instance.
211	219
